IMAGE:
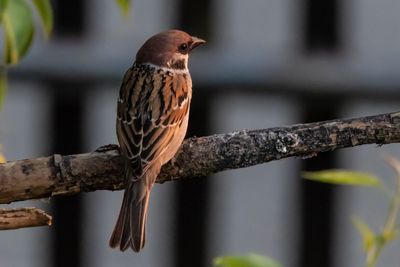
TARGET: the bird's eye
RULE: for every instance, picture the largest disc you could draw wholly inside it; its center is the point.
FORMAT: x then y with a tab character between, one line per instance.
183	47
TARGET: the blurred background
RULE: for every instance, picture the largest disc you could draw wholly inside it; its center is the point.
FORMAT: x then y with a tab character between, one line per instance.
267	63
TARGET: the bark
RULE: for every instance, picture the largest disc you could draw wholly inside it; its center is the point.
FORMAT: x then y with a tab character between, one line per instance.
23	217
103	169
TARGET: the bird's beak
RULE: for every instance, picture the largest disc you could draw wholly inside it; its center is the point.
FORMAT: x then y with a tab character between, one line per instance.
196	42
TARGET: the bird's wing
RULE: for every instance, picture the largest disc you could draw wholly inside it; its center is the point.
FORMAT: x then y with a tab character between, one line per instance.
152	105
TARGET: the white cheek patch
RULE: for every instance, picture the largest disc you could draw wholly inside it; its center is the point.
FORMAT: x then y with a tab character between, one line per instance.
179	57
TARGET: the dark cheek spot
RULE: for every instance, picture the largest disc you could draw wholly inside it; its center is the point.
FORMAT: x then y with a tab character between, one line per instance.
179	64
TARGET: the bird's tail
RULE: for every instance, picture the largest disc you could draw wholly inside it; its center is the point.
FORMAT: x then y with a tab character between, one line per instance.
130	229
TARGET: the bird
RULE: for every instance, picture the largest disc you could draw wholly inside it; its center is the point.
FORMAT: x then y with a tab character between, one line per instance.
152	120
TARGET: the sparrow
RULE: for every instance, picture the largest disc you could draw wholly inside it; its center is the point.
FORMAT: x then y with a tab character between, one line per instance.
152	119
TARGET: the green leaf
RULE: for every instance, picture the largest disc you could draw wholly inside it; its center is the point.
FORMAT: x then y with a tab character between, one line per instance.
391	235
45	11
124	5
18	30
3	5
343	177
3	86
2	157
250	260
368	236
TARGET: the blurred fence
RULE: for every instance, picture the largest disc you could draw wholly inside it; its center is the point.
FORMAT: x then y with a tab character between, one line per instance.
267	63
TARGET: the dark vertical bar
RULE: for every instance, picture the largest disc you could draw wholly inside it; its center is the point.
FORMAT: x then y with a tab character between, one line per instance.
194	17
67	126
321	25
69	18
192	198
67	112
321	33
317	199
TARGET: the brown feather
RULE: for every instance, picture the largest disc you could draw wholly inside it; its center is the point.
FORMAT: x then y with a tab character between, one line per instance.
145	140
152	117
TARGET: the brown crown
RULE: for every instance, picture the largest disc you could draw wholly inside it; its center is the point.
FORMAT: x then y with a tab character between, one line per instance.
160	48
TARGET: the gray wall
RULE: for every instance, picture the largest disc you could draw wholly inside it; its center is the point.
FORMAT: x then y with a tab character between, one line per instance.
256	45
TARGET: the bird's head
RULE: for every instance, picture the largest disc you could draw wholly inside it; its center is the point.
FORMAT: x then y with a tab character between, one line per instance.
169	49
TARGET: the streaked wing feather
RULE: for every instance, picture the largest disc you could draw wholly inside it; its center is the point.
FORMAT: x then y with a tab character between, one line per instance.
151	107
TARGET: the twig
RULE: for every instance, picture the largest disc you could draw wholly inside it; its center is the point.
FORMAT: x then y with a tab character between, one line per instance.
65	175
23	217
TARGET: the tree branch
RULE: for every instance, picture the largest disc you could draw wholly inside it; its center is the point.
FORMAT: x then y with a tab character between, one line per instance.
23	217
103	169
